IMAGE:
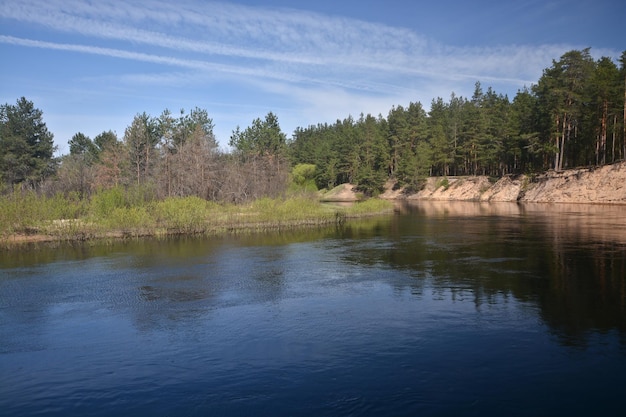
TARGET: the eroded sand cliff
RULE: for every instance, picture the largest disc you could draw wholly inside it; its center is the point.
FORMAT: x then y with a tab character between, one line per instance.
605	184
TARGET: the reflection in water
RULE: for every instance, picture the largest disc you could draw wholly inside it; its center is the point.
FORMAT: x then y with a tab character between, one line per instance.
568	259
584	222
442	309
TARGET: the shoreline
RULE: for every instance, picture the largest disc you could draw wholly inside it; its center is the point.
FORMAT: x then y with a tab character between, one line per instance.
597	185
604	185
82	235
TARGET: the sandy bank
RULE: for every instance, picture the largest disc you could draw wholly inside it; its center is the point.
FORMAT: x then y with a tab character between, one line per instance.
605	184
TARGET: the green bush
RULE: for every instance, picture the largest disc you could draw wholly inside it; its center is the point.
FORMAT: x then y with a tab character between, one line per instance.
27	212
187	214
303	178
129	219
104	202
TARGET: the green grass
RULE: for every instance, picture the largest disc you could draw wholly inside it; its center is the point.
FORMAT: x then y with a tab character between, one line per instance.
369	207
119	213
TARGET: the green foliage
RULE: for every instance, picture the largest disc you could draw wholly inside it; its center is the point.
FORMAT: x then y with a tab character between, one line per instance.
113	213
80	144
141	138
105	140
134	220
297	209
263	137
573	116
370	206
26	145
27	212
182	215
347	152
303	177
122	209
302	173
105	202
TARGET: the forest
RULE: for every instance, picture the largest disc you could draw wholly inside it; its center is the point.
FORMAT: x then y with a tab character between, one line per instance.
574	115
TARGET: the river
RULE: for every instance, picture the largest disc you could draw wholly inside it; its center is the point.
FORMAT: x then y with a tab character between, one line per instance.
441	309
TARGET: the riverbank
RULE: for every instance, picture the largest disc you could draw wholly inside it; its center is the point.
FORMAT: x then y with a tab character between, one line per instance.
175	216
605	185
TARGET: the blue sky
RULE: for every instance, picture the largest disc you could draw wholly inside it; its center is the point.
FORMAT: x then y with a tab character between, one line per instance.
91	66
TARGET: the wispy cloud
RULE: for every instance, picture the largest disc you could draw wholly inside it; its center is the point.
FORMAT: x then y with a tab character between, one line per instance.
234	38
314	67
138	56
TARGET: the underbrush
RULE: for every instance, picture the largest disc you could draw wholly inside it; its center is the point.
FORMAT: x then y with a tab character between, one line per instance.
28	213
132	212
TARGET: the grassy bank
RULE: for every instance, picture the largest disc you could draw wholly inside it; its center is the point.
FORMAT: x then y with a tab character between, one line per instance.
119	213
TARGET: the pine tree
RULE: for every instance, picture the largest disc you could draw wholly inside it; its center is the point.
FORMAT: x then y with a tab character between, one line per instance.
26	145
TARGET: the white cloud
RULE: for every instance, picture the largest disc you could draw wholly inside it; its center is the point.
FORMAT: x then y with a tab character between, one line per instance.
316	68
308	43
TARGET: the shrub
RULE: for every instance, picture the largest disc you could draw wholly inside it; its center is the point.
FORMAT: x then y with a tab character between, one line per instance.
129	219
105	202
303	176
186	214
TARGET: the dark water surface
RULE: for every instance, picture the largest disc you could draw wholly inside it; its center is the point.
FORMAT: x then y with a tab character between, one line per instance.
441	309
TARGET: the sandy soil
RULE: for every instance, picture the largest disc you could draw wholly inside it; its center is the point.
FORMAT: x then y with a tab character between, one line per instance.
341	193
605	184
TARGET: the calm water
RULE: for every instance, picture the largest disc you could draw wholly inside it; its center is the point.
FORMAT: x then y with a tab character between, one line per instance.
441	309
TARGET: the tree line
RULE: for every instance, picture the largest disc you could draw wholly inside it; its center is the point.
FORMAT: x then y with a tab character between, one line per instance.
574	115
164	156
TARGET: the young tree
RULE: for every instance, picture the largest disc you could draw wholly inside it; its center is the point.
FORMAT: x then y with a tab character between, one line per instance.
303	176
141	138
76	172
26	145
188	125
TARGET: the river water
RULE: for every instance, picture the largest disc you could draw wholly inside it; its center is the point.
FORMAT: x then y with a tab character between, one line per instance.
442	309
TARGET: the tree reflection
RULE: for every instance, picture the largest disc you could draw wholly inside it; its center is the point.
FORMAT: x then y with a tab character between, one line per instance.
568	260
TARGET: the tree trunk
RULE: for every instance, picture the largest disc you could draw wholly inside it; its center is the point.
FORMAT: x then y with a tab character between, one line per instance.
557	144
614	137
605	111
564	132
